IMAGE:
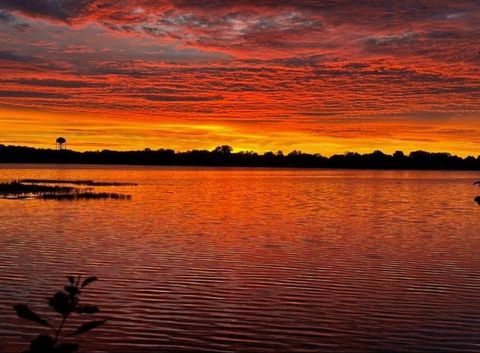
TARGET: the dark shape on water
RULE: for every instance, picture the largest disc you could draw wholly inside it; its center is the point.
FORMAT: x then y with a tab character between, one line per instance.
65	303
74	182
47	190
477	199
85	196
18	189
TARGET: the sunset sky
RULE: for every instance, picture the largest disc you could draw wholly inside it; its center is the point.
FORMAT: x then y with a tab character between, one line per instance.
318	76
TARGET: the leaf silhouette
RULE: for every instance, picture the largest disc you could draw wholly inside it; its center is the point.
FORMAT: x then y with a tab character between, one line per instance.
60	303
66	348
88	309
71	279
88	280
89	326
42	344
72	290
24	312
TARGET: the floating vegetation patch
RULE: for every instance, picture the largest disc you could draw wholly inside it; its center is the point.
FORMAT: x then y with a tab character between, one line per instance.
33	189
84	196
74	182
19	188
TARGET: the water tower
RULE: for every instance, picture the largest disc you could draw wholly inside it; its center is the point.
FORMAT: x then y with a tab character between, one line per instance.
61	144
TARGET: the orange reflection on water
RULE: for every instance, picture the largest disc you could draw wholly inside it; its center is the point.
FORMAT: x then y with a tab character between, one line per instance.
242	260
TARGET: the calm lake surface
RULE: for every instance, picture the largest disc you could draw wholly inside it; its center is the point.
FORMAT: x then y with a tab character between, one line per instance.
253	260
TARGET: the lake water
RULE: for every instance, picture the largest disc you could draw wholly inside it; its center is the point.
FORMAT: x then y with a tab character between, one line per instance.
253	260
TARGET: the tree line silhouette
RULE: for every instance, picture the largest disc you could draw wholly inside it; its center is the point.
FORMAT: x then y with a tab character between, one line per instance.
224	156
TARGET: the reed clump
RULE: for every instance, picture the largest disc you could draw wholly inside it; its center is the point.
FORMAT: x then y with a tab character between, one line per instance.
46	189
85	196
18	189
74	182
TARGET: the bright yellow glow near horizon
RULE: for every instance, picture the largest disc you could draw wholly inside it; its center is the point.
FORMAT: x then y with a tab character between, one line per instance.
86	133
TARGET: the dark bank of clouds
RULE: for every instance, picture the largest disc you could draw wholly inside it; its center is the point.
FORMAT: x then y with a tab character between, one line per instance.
54	83
281	25
32	94
182	98
69	9
6	16
63	10
210	14
9	55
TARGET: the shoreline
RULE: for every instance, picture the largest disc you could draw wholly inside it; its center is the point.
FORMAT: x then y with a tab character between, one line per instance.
47	165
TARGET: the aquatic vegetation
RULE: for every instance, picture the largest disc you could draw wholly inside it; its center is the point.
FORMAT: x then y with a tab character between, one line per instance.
18	189
65	303
49	190
85	196
74	182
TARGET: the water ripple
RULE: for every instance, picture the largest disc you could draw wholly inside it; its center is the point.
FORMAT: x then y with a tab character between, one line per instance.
219	260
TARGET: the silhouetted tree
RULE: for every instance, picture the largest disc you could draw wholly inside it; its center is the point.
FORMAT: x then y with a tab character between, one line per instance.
223	149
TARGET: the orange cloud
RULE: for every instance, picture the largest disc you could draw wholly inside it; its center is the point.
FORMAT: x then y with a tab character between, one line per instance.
322	77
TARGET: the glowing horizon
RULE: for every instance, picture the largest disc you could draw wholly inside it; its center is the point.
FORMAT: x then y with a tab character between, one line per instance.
320	77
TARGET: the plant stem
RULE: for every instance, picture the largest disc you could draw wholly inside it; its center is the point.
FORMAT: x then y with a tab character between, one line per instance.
57	334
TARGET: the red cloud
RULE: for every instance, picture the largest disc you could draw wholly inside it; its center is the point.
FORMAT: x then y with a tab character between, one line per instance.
303	63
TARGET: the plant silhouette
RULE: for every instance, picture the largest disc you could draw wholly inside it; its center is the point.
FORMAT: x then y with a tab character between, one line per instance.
65	303
477	199
49	190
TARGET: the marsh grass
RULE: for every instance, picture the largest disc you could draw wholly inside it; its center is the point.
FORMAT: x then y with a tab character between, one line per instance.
17	188
48	190
74	182
84	196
